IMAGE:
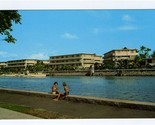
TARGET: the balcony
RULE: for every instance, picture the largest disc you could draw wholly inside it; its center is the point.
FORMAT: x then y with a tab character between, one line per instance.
89	61
23	62
65	63
69	58
15	66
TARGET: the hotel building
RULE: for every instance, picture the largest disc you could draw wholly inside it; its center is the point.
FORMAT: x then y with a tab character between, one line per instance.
3	65
120	54
81	60
23	63
151	61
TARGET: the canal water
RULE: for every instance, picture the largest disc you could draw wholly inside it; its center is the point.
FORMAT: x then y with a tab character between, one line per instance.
128	88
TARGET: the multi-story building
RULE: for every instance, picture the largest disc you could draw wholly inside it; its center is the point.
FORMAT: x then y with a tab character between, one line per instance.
151	61
120	54
45	62
23	63
3	65
81	60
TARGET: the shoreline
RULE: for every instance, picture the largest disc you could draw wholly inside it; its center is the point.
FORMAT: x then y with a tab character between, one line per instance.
23	75
107	72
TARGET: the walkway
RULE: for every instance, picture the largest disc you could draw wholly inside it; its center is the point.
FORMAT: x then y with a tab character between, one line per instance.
74	109
9	114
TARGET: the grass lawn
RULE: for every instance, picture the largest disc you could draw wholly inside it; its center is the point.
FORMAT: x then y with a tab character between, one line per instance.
42	113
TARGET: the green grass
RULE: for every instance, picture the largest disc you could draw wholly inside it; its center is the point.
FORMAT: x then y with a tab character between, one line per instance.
15	107
42	113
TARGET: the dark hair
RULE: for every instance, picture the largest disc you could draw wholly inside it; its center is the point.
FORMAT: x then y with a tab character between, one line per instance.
55	83
64	84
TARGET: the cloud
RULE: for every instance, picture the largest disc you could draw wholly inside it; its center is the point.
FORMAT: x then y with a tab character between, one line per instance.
2	53
6	54
70	36
122	28
127	18
38	56
126	28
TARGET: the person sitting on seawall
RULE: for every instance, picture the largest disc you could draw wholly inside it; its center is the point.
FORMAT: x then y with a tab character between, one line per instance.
54	88
66	89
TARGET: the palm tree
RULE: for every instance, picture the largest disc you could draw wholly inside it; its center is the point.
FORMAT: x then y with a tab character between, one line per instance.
142	49
143	55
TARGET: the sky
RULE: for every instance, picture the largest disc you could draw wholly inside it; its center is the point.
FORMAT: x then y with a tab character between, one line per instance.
45	33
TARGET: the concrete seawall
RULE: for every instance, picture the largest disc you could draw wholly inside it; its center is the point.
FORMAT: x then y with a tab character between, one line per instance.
126	72
91	100
109	72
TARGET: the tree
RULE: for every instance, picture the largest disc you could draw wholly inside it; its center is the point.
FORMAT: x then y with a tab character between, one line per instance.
125	48
39	66
7	18
153	54
143	55
109	64
144	52
96	66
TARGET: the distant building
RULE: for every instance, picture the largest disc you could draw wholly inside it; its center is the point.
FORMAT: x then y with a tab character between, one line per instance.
3	65
81	60
22	64
151	61
46	62
114	56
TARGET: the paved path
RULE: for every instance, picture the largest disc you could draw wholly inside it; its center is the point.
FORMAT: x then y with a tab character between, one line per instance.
77	110
9	114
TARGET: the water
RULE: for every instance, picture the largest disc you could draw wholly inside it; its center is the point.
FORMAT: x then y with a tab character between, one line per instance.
128	88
